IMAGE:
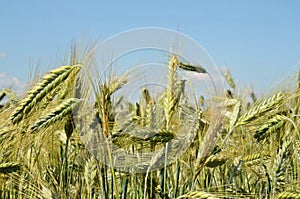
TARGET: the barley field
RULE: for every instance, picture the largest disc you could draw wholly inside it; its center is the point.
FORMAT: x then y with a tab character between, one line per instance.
249	149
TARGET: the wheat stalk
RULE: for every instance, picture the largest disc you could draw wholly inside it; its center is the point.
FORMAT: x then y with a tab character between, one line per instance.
170	98
270	126
70	86
146	95
253	159
215	161
209	142
47	193
281	162
90	173
147	112
198	194
35	95
191	67
288	195
229	79
257	110
252	94
59	112
234	115
9	167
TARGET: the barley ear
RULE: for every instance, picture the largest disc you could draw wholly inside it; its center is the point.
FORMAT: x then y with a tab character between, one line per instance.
37	93
9	167
288	195
170	97
270	126
59	112
282	162
260	108
229	79
234	115
191	67
198	194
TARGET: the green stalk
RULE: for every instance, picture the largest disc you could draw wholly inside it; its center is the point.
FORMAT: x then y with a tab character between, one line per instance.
124	187
177	179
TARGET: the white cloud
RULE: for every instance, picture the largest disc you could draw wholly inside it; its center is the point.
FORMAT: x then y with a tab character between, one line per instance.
3	55
224	69
14	83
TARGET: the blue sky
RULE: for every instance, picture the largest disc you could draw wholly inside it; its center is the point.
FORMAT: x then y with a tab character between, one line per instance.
259	41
